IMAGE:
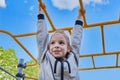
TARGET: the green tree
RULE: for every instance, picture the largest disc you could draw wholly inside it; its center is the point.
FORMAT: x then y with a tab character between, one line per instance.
31	71
9	61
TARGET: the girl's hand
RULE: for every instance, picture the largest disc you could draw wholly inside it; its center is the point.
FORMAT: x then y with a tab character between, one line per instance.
40	8
80	13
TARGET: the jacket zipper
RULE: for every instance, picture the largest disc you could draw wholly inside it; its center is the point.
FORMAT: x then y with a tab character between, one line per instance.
62	70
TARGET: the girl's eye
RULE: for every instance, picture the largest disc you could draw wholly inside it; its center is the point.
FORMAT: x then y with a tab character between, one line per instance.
61	42
52	42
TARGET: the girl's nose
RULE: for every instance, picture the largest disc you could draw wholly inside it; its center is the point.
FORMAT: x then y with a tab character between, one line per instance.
56	45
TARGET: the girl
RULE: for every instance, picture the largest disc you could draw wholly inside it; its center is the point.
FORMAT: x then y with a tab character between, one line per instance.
58	59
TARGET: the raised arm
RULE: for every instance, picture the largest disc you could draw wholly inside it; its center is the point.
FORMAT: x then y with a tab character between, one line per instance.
42	35
77	35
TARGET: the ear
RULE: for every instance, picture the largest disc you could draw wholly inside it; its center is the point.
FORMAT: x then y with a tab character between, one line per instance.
69	49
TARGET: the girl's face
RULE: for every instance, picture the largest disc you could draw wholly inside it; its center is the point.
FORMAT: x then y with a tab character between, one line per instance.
58	46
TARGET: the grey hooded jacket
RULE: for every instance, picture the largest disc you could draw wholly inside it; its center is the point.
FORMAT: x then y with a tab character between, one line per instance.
50	67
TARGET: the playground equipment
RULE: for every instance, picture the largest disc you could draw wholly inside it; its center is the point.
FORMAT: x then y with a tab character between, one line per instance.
69	29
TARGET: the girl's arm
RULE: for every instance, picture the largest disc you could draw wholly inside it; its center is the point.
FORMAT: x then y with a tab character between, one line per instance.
77	35
42	35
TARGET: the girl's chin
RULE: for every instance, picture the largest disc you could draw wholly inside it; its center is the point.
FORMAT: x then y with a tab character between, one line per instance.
57	56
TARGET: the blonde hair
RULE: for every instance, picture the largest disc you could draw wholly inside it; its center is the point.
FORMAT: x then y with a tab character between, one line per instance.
64	34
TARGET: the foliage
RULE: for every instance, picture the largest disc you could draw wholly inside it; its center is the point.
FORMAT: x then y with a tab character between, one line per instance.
9	61
31	71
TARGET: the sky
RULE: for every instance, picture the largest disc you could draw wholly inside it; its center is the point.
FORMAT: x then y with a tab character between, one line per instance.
20	16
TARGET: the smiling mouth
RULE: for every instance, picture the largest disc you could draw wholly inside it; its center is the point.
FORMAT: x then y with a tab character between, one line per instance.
56	52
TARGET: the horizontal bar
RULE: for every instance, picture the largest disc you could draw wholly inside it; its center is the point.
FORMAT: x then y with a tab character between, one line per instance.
102	23
31	78
99	54
102	67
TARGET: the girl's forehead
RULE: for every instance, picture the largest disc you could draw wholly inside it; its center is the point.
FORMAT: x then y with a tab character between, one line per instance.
58	36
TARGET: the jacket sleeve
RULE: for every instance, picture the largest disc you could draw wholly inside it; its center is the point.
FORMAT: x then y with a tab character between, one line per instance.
76	38
42	37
